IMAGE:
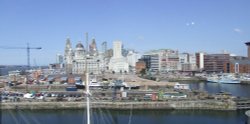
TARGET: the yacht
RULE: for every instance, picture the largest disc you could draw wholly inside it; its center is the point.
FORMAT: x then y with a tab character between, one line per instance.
224	79
93	83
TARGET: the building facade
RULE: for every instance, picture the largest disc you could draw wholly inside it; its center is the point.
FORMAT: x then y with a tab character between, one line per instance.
237	64
163	60
187	62
79	59
215	62
133	57
140	65
118	63
200	60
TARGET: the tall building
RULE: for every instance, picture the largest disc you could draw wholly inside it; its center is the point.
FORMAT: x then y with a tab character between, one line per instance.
117	49
118	63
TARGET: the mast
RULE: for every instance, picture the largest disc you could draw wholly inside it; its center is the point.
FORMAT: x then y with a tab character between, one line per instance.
87	82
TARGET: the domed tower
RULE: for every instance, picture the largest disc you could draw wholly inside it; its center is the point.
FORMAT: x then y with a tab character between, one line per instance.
93	48
68	56
79	52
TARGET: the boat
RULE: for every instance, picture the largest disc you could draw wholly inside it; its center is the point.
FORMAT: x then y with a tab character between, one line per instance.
228	79
121	83
213	79
179	86
224	79
92	84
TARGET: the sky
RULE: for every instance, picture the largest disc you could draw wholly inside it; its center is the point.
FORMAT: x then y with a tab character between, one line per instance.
185	25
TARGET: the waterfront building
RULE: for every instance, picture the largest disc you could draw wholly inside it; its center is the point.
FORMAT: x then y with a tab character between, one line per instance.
187	62
237	64
118	63
200	60
75	60
163	60
215	62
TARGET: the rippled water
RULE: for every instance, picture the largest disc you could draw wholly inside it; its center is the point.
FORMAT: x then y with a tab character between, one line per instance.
241	90
123	117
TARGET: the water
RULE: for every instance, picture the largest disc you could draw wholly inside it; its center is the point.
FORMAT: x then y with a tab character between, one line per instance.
122	117
239	90
104	116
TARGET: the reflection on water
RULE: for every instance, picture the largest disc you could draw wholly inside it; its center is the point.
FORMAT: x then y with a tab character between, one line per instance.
235	89
122	117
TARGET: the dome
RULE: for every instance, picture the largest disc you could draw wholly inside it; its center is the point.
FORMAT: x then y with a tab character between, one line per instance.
79	45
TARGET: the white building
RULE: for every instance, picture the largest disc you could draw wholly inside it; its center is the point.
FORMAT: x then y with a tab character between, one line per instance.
187	62
75	60
118	63
163	60
133	57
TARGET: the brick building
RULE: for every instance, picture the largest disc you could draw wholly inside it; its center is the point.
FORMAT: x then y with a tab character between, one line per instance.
215	62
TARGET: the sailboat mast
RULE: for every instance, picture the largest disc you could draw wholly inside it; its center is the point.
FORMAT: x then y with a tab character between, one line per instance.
87	82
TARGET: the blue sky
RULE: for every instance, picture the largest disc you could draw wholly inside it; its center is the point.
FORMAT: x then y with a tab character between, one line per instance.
184	25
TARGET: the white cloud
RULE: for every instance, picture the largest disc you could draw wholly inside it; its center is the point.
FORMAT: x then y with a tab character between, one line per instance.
238	30
190	23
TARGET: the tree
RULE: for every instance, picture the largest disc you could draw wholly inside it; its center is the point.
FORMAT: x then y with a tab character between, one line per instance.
143	72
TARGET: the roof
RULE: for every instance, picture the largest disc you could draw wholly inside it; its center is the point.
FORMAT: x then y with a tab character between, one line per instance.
79	45
244	62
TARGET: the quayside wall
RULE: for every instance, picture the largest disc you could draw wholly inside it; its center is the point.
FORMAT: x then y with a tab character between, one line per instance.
200	104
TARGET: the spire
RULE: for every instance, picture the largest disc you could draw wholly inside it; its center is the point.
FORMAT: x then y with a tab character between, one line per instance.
68	44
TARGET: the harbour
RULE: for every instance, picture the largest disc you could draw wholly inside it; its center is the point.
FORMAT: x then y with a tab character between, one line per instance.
124	62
